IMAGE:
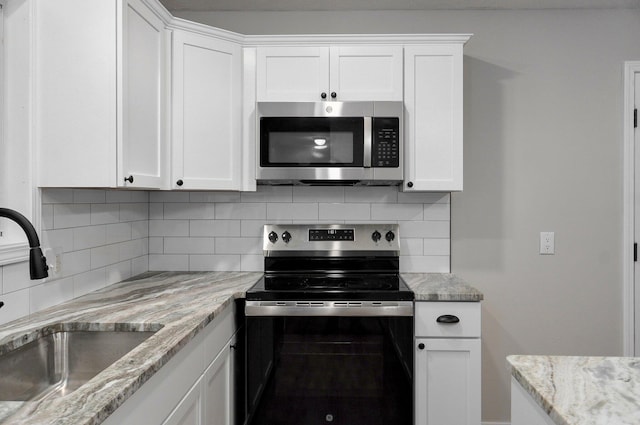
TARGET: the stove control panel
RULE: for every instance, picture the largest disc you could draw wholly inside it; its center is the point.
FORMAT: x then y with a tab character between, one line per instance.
331	239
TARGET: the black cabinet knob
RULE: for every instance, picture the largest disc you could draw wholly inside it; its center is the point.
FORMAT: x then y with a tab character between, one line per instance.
286	237
273	237
323	95
390	236
129	179
180	182
421	346
334	95
410	184
376	236
1	304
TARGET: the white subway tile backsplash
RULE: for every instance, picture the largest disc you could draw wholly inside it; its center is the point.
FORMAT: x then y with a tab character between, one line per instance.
57	196
89	196
62	238
189	245
409	246
252	263
199	228
419	264
105	213
162	262
139	265
89	237
369	194
118	272
47	216
168	227
268	194
109	235
88	282
164	196
437	212
15	277
425	229
156	245
71	215
134	212
76	262
291	211
50	294
242	211
423	198
238	246
214	262
327	194
437	246
392	212
105	255
214	197
344	211
120	232
189	211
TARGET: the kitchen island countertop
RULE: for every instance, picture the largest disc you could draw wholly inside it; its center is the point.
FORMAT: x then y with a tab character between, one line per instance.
576	390
179	304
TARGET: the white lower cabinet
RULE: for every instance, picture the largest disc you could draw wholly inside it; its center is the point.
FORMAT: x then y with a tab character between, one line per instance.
447	365
195	387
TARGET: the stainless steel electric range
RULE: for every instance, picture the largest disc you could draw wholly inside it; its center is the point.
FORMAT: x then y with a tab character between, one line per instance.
329	328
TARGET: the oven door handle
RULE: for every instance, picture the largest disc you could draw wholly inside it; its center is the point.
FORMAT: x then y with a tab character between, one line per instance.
329	308
368	142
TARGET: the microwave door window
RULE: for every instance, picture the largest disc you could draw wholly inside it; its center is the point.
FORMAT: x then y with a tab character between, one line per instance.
301	148
311	141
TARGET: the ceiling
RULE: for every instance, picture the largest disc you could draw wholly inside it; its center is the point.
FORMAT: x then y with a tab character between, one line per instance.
319	5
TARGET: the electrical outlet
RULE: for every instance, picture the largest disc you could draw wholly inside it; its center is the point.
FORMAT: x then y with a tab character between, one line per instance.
547	243
54	261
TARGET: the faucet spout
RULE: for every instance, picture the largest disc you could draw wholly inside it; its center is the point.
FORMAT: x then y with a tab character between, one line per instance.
37	261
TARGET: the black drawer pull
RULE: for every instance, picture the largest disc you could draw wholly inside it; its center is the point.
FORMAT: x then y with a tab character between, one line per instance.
448	318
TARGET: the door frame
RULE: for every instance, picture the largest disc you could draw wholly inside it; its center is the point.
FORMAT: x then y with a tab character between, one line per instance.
628	220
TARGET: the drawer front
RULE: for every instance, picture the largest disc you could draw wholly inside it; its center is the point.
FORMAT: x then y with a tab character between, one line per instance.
447	319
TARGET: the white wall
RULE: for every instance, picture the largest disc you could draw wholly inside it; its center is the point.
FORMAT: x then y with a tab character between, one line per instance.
543	138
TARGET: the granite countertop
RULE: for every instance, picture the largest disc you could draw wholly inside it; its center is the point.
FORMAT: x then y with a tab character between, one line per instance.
582	390
179	304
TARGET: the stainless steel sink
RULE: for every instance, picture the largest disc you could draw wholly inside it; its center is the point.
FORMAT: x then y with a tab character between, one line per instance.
57	364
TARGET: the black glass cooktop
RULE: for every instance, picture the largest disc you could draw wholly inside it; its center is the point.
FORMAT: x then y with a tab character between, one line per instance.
387	287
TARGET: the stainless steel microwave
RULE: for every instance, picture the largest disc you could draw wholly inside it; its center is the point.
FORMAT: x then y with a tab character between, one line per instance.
329	143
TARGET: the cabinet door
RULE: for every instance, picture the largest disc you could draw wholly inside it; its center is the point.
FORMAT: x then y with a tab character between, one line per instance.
292	74
366	73
207	102
141	146
433	118
219	388
189	410
447	381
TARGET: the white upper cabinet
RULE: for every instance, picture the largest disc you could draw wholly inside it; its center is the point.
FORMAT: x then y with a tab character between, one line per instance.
341	73
207	111
433	117
98	69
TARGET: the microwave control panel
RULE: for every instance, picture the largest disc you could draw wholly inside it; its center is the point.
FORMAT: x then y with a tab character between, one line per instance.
385	149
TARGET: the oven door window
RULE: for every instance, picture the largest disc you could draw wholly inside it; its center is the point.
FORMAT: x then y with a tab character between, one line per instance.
313	141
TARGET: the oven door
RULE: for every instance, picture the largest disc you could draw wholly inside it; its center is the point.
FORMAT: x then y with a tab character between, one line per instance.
329	370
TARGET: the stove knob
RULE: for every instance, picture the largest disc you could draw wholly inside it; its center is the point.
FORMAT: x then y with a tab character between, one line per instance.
376	236
286	237
390	236
273	237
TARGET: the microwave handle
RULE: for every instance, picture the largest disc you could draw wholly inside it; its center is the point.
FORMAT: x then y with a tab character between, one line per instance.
366	162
